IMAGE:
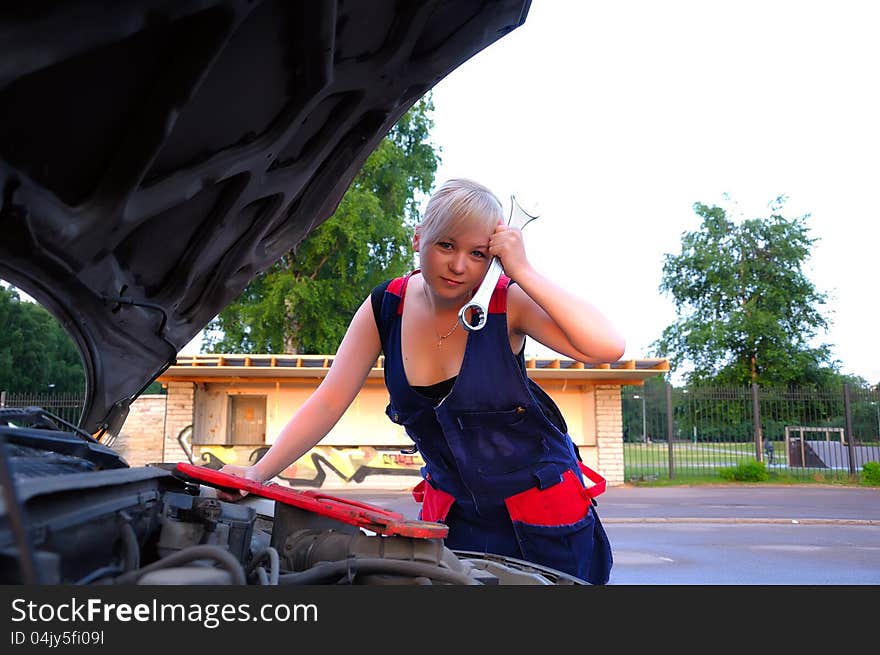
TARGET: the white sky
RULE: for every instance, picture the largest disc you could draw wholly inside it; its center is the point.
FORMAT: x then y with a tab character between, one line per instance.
611	119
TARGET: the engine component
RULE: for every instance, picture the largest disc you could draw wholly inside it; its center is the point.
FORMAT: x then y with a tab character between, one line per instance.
190	520
317	549
187	575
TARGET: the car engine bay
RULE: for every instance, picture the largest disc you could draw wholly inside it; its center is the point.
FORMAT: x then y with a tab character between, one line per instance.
73	512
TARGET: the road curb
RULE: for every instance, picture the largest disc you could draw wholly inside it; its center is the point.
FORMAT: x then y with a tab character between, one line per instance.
810	521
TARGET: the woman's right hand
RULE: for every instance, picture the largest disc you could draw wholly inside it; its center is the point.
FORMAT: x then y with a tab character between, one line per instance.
247	472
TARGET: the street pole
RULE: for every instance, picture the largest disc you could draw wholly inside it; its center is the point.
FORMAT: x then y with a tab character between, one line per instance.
669	429
850	448
644	419
756	424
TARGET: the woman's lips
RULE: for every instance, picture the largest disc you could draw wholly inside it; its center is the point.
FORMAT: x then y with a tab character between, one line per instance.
451	283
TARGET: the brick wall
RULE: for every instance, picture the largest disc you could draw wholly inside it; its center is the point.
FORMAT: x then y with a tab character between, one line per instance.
179	415
609	433
142	434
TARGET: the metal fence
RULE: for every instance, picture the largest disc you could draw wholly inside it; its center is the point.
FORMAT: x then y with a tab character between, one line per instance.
823	434
697	431
68	406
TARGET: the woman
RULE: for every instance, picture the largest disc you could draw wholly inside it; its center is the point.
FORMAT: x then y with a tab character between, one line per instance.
500	469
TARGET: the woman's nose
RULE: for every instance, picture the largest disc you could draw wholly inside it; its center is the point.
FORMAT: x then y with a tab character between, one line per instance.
457	263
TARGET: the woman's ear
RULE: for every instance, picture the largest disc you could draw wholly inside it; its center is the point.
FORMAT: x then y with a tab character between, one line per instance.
415	240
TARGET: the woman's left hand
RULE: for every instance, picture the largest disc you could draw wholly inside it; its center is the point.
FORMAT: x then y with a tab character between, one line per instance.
506	243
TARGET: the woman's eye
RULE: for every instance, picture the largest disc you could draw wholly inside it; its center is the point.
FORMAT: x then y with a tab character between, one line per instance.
479	253
445	245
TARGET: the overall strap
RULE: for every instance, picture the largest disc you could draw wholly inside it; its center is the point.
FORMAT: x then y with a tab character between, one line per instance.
599	483
498	301
387	301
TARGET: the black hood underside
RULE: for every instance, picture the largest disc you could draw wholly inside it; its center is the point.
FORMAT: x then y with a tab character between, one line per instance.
156	155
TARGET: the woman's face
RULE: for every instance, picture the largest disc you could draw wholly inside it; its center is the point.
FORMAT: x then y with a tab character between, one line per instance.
454	264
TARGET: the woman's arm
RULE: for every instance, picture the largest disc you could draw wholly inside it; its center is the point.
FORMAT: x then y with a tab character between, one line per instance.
357	354
553	316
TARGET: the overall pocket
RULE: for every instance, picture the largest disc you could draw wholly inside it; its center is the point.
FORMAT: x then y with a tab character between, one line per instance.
555	527
435	502
500	442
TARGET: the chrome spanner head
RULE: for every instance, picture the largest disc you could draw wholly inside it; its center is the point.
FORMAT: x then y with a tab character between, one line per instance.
479	304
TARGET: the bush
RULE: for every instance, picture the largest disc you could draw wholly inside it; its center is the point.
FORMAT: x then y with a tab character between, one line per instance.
871	474
747	471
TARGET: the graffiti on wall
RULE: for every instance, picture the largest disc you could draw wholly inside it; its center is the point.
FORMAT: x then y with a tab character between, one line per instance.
351	464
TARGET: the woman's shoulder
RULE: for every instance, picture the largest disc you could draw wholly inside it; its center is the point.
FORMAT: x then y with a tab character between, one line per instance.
380	288
396	286
376	296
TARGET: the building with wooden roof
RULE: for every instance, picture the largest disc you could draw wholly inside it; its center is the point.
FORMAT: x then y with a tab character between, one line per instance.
228	409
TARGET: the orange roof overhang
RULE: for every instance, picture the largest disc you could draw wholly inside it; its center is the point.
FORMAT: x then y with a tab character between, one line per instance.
238	368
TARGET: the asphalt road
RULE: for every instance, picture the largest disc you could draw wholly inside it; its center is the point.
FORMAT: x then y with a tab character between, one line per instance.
727	535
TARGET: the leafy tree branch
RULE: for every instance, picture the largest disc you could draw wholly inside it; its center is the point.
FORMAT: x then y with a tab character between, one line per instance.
747	312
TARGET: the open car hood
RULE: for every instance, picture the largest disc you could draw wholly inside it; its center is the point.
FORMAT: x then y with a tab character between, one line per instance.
155	156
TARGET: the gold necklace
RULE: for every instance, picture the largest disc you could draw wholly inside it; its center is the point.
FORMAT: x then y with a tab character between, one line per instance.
440	338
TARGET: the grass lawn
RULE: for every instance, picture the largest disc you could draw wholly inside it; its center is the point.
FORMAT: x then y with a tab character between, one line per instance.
701	463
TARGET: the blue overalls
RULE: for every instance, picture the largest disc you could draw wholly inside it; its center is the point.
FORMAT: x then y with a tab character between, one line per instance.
498	471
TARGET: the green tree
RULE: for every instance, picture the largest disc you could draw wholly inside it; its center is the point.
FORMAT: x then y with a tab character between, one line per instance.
36	354
746	310
304	302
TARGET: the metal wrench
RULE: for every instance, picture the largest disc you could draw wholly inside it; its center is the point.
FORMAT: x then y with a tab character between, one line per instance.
480	302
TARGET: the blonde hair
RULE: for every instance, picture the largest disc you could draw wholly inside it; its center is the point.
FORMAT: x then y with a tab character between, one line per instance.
459	203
